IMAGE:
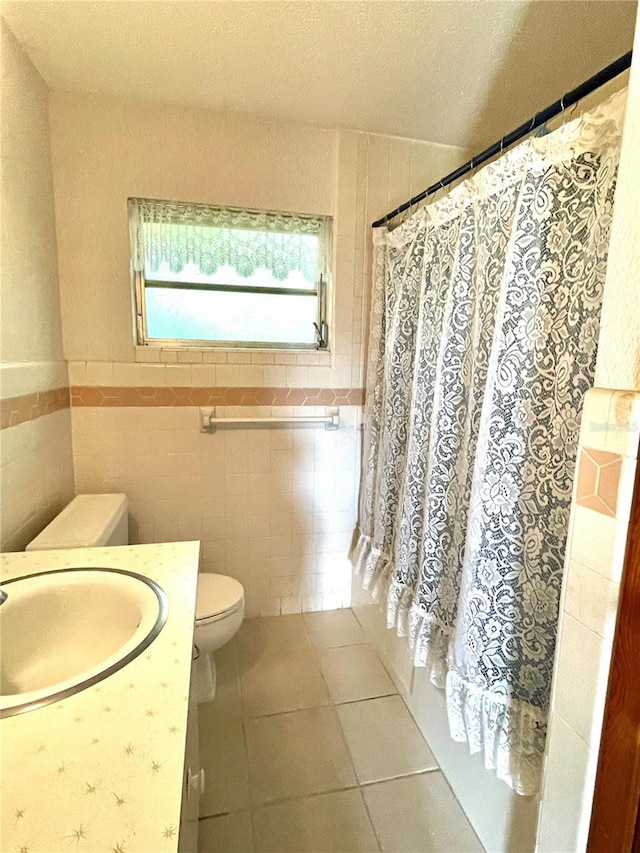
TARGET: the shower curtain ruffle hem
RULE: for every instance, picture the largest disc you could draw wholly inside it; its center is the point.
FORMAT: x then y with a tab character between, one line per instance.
428	638
510	734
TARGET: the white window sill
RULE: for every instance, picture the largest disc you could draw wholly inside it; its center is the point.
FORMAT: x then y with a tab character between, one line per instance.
216	355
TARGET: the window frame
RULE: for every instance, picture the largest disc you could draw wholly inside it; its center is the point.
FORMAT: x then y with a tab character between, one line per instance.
321	290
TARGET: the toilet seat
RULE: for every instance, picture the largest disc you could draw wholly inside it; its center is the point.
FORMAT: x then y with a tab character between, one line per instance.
218	597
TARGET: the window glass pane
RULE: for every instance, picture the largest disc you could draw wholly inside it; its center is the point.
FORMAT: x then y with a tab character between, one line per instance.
227	316
202	254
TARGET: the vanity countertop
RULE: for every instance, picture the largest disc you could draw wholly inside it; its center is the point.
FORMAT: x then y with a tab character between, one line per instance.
102	770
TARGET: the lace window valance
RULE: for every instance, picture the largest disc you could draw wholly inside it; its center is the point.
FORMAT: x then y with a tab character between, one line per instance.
228	245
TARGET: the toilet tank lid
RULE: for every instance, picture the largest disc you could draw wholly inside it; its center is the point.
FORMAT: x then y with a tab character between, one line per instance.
88	521
217	594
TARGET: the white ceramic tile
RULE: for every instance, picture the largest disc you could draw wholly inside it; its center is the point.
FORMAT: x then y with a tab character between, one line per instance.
274	376
598	541
586	653
168	356
125	374
419	814
563	810
580	703
239	357
189	356
99	373
336	822
297	754
334	628
297	377
178	375
228	375
147	354
285	681
386	722
592	599
77	373
230	833
18	378
151	375
260	637
224	760
353	673
290	604
626	487
251	376
203	375
215	357
595	418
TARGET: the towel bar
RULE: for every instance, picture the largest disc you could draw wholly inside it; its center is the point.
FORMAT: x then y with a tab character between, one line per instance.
331	420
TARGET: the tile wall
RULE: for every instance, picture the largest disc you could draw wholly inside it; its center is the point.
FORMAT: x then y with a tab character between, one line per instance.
36	469
595	553
36	462
273	507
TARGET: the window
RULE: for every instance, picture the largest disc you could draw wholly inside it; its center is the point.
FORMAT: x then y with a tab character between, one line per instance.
210	276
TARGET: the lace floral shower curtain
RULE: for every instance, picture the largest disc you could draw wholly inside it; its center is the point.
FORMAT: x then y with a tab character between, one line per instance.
484	324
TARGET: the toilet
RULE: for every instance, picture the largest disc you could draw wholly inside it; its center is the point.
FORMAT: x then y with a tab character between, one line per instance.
89	521
219	614
95	521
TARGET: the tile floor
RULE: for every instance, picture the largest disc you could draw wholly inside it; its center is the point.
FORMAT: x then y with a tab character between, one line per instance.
308	748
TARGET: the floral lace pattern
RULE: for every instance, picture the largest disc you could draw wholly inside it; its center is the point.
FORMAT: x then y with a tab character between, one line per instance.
484	329
174	235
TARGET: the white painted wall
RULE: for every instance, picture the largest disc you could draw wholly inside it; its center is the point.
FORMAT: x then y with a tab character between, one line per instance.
619	348
35	457
588	609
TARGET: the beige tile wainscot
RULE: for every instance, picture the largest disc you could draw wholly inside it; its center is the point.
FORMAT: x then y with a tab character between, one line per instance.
103	769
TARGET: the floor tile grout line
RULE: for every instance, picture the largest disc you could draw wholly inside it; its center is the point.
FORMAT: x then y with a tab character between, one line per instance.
359	785
371	823
423	772
316	652
399	691
315	649
331	702
342	732
280	800
249	785
377	656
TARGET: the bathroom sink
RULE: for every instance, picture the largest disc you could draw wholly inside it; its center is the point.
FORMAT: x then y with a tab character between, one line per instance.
62	631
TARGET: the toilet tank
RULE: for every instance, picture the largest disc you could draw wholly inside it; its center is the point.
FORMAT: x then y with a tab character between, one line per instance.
89	521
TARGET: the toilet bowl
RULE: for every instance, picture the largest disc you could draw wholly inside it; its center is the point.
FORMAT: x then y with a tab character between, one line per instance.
91	521
219	614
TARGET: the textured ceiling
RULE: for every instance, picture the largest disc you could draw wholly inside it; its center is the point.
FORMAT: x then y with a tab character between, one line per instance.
460	73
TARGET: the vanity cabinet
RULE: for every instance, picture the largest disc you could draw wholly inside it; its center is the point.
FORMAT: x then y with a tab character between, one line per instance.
193	777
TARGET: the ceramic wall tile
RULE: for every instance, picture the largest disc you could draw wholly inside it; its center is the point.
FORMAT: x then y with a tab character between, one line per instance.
591	588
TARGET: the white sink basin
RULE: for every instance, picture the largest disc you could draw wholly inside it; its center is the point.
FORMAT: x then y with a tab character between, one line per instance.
62	631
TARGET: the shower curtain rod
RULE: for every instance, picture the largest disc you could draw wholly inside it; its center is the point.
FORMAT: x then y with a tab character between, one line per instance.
621	64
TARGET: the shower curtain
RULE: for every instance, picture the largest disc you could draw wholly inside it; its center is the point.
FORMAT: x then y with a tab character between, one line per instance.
484	326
